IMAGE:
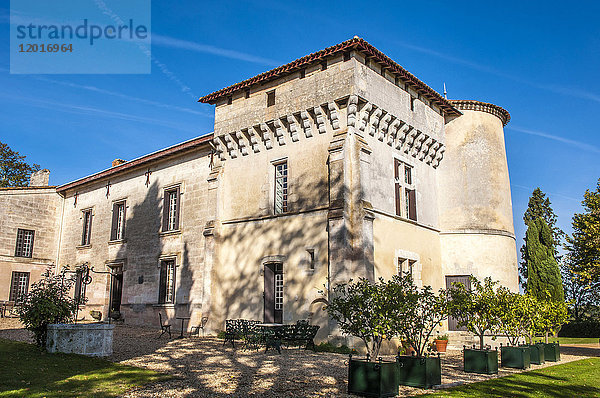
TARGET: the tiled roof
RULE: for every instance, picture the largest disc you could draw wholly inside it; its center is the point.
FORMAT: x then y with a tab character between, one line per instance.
355	43
172	150
472	105
27	187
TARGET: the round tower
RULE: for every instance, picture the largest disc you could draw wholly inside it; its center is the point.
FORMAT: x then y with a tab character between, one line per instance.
476	222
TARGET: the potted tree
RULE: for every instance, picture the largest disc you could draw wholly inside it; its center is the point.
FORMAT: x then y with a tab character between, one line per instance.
417	312
536	323
555	315
361	309
515	317
476	309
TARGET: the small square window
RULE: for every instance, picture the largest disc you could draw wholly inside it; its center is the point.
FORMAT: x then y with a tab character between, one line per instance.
412	103
346	56
229	100
271	98
324	65
311	258
247	94
302	73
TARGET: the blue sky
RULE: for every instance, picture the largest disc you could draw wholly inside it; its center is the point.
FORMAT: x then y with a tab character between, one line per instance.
539	60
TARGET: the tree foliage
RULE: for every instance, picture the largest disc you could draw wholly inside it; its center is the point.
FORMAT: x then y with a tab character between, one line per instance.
542	268
477	308
378	311
48	302
584	244
14	171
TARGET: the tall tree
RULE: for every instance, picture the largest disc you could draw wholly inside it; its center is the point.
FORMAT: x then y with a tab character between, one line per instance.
539	206
542	268
584	245
14	171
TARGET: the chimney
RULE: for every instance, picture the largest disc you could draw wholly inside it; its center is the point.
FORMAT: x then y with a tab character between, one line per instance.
39	178
117	162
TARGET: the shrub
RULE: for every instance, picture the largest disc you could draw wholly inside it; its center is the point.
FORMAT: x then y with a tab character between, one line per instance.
588	328
48	302
328	347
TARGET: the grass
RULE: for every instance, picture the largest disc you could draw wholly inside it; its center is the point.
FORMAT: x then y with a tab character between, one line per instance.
574	340
575	379
26	370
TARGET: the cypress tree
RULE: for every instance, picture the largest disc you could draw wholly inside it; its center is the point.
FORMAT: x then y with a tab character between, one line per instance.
539	206
542	268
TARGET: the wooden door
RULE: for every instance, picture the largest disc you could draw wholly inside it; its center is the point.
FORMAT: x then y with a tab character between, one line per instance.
465	280
116	289
273	293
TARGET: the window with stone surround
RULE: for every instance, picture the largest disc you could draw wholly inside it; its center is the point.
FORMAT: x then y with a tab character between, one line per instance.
166	293
405	192
86	234
24	246
171	207
271	98
406	266
19	285
117	231
281	187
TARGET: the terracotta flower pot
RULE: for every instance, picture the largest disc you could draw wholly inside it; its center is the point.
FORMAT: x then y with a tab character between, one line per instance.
440	345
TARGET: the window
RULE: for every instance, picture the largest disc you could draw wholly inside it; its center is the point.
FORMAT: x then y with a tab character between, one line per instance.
80	284
24	243
117	231
229	100
406	266
281	187
171	209
324	65
346	56
405	193
247	94
311	258
412	103
278	291
166	293
18	285
87	227
271	98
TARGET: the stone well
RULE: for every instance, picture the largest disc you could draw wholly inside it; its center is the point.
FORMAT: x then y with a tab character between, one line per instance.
94	339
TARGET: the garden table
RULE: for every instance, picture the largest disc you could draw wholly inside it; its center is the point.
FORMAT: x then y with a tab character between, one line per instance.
272	333
183	318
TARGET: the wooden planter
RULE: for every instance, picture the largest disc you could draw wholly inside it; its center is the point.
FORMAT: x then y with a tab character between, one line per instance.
516	357
551	352
537	356
440	345
372	379
480	361
424	372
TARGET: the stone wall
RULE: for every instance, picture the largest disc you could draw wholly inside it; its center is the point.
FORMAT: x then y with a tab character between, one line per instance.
31	208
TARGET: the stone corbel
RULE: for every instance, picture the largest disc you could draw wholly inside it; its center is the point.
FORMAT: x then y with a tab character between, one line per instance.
241	143
432	151
425	148
438	157
293	124
352	108
334	115
306	124
266	135
253	137
410	140
393	131
421	138
230	146
320	119
218	148
375	121
364	118
279	131
402	135
383	127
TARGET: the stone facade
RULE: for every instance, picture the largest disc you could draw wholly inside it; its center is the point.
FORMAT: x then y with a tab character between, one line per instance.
382	175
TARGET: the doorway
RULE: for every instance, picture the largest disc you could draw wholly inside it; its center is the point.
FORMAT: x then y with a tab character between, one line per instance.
273	294
116	290
465	280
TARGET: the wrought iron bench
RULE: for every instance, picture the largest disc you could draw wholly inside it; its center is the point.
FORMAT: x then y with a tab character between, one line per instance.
300	334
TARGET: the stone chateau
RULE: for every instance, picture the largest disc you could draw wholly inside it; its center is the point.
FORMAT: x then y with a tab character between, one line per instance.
338	165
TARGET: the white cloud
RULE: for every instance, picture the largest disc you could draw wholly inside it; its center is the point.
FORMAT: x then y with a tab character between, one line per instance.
578	144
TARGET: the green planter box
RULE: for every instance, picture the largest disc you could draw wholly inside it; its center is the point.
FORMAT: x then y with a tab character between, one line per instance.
552	352
372	379
537	354
516	357
424	372
480	361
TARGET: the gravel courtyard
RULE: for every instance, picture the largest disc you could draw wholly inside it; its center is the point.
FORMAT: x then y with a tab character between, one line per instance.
202	367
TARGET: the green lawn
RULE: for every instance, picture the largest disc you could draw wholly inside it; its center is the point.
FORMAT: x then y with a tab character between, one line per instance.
573	340
572	380
26	370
